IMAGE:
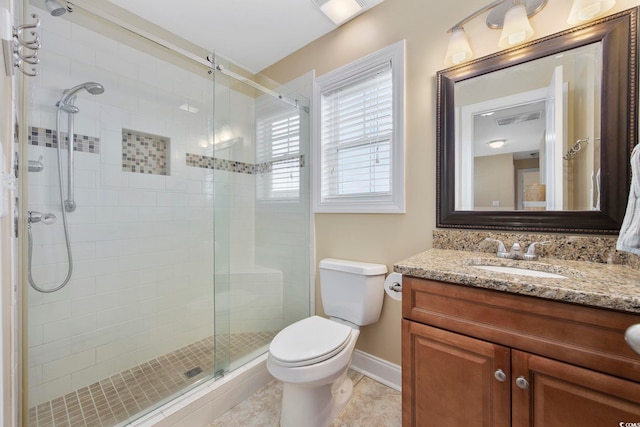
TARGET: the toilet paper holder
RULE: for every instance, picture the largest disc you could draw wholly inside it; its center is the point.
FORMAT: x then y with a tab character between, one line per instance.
395	287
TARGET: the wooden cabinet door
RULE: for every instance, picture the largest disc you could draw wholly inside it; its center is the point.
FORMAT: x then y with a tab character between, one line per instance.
448	379
561	395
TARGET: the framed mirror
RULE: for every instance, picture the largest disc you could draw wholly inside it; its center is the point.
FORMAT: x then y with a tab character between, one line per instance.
538	138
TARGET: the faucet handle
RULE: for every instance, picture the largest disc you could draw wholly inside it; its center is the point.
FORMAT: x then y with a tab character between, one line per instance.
502	251
531	250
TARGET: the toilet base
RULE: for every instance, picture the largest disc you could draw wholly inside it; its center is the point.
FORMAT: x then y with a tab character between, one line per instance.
314	406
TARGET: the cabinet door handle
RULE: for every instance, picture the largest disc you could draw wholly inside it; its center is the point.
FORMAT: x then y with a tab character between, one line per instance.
522	383
632	337
500	375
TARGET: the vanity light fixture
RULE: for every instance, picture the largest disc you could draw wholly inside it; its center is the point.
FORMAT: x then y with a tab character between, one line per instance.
341	11
496	143
512	16
586	10
516	28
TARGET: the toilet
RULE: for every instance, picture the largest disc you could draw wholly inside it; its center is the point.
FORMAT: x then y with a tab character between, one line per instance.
311	356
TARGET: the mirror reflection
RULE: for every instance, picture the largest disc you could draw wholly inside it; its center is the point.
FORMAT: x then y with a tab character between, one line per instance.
528	136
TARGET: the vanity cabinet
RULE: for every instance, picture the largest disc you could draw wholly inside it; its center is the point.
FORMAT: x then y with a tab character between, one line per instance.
478	357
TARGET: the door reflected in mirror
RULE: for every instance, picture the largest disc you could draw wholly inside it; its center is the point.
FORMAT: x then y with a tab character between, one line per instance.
528	135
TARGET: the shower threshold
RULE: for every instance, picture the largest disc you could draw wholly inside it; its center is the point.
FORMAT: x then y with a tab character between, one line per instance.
127	394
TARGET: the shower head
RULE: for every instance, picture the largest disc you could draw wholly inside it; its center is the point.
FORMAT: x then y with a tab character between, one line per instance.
55	8
68	96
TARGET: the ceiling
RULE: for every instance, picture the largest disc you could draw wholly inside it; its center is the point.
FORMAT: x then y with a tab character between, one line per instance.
252	33
522	127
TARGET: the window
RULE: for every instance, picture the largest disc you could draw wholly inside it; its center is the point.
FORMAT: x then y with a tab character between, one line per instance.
359	135
278	155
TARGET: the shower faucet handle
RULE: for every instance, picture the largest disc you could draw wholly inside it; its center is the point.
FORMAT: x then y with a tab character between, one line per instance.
46	218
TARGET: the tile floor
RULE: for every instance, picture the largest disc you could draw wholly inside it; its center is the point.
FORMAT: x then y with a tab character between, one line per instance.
127	393
372	405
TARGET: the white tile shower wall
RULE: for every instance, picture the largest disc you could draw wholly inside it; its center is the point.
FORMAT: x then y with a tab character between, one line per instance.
142	246
282	233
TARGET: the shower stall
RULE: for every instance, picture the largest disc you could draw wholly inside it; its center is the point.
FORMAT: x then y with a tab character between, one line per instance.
166	227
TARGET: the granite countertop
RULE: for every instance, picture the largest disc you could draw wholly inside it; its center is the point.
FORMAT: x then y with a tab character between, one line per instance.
595	284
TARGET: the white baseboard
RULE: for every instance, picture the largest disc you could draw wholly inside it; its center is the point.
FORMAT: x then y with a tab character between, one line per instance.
378	369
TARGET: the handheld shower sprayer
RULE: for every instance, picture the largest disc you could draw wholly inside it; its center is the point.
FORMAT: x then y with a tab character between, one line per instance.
67	100
66	104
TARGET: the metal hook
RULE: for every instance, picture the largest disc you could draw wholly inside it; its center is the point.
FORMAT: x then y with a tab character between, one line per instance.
28	26
33	44
20	51
33	72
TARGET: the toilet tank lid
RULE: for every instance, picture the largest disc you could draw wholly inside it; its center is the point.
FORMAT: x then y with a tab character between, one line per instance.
355	267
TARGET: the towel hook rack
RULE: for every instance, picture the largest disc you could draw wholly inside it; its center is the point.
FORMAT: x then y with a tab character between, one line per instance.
575	149
22	49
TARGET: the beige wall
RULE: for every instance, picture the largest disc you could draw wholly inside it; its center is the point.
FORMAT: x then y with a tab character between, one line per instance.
490	186
390	238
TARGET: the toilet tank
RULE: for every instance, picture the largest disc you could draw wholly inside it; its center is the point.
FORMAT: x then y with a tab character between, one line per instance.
352	290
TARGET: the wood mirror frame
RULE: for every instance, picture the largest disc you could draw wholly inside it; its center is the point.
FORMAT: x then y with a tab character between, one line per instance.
618	34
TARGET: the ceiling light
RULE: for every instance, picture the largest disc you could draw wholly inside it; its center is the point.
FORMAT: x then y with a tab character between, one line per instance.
496	143
586	10
340	11
516	29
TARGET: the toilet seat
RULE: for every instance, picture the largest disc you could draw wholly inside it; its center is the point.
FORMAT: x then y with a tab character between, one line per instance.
308	341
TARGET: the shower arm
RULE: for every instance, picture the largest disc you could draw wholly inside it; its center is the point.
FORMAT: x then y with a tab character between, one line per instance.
70	204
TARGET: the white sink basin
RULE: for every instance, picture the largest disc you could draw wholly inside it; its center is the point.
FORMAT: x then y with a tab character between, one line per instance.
520	271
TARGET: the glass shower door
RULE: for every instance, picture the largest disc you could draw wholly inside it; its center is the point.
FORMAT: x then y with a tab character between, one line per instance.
262	212
133	327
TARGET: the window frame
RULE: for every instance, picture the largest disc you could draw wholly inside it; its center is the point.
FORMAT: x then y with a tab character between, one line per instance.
343	76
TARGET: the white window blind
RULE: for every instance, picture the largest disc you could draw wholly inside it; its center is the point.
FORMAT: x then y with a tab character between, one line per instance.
359	161
278	154
356	135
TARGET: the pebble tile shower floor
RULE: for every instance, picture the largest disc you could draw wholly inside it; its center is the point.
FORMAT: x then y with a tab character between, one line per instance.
123	395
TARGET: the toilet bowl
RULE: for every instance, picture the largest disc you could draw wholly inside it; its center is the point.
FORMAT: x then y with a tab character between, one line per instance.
311	357
316	386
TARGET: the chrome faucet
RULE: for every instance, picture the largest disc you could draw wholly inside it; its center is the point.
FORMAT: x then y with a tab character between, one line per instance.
502	251
516	251
531	250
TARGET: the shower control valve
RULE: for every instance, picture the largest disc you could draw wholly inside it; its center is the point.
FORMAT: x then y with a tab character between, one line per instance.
46	218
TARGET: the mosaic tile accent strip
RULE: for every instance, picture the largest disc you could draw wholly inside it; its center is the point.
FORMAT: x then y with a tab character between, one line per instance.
144	153
43	137
207	162
125	394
